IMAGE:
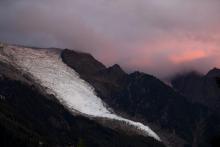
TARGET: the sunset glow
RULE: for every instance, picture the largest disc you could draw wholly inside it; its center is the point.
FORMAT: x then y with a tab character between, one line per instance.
188	56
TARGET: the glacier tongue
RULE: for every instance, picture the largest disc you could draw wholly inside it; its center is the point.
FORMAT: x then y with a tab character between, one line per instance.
47	67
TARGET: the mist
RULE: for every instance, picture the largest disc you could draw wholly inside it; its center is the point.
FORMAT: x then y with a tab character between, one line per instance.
155	36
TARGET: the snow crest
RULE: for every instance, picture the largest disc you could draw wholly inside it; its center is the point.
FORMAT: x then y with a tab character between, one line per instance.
47	67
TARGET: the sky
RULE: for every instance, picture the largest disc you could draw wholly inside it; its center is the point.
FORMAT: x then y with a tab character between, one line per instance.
159	37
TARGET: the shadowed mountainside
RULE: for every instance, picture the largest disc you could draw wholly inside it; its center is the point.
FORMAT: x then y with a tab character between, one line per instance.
203	89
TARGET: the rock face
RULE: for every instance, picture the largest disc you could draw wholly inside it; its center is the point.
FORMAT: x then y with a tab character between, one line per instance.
139	96
48	100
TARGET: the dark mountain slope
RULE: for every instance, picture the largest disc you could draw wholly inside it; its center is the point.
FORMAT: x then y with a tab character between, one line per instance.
85	63
28	118
143	97
215	141
200	88
146	98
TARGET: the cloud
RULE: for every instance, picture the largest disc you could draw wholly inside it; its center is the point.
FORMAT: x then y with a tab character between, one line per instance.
188	56
156	36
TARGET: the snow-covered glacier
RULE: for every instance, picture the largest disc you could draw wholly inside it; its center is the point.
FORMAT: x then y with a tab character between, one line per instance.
47	68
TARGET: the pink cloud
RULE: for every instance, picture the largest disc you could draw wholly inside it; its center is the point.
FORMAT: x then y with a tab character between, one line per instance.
188	56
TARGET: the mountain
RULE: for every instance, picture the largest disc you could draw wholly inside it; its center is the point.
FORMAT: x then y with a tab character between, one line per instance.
43	102
30	119
203	89
56	97
139	96
214	73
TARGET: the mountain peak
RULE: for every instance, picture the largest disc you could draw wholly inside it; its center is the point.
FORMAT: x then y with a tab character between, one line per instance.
83	63
117	68
215	72
113	73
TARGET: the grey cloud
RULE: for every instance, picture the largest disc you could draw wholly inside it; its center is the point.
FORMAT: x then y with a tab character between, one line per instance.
114	30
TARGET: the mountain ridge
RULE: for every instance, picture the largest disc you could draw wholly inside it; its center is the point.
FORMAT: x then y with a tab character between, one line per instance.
136	96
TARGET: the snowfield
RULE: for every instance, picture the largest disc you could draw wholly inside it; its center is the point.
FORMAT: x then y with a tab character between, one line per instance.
46	66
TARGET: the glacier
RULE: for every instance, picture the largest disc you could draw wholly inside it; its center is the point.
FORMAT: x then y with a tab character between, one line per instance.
47	68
